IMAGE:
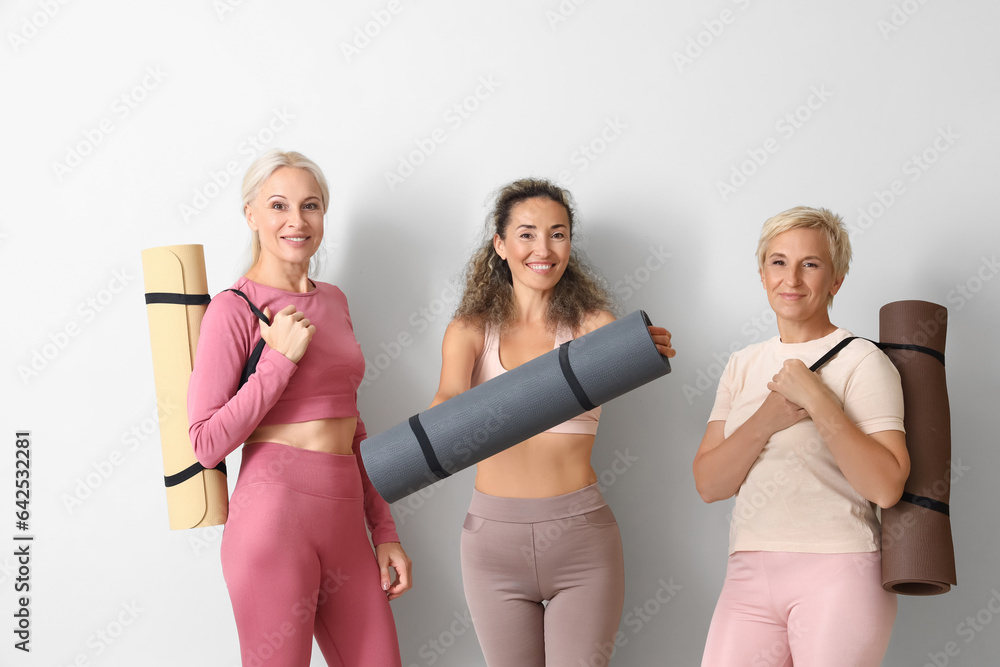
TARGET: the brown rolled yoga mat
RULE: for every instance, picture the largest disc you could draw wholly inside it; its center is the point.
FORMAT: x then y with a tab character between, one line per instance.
176	298
918	557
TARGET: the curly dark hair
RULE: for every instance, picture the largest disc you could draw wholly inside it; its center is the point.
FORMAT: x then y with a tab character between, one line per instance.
488	298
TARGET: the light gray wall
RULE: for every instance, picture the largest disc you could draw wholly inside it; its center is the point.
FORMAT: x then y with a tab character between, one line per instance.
836	101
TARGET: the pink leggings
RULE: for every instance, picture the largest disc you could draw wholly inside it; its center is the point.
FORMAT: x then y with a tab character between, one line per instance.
517	552
777	609
298	562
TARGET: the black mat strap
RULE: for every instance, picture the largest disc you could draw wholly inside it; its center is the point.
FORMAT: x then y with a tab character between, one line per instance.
574	384
925	502
189	472
831	354
181	299
916	348
425	447
882	346
256	311
251	365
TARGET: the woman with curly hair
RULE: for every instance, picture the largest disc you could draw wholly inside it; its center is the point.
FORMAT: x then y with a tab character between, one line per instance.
538	530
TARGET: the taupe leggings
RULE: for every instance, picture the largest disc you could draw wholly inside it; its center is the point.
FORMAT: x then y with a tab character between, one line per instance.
519	552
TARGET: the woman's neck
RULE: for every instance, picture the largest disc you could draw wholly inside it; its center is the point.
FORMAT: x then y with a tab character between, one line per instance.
803	332
532	305
280	275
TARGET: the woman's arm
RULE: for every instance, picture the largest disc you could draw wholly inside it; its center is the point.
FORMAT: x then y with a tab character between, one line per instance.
722	463
222	418
876	465
377	515
388	551
462	344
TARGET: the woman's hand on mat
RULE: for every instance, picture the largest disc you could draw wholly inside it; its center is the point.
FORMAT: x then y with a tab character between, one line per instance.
289	332
661	337
391	554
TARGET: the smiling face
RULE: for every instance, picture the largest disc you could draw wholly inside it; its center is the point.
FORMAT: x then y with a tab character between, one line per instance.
799	278
287	214
536	243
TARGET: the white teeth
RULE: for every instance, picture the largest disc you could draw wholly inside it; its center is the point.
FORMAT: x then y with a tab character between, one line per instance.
295	238
541	266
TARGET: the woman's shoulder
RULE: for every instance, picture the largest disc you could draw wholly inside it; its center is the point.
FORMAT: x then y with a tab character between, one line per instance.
864	355
465	327
230	300
595	319
330	290
229	314
754	353
464	334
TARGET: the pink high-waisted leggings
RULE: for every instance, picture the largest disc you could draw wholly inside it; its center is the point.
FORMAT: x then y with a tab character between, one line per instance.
517	552
298	562
778	608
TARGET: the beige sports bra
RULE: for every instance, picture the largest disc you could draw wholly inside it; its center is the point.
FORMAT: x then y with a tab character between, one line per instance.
488	366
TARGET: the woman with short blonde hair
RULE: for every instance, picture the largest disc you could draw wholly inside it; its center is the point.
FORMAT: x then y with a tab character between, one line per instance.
809	451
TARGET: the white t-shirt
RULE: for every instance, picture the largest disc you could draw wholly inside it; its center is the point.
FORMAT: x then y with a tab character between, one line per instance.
795	498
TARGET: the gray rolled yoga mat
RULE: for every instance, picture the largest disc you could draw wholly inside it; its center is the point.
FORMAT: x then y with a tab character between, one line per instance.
514	406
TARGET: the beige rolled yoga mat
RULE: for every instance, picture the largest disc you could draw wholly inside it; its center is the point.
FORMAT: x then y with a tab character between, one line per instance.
176	298
918	556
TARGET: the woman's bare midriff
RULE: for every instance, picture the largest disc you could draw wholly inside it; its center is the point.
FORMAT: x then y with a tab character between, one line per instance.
549	464
333	436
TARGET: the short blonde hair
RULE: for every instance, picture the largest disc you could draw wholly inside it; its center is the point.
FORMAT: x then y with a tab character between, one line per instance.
261	170
829	223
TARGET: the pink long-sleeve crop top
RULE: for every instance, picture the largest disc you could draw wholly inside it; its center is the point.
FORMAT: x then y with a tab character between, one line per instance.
322	385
